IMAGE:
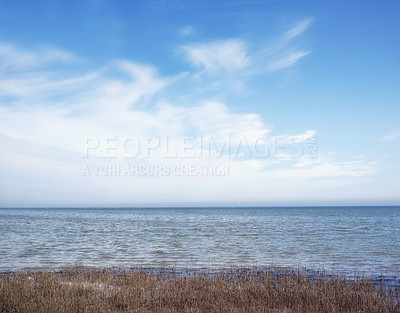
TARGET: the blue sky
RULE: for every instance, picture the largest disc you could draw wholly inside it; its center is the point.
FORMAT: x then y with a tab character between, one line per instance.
78	77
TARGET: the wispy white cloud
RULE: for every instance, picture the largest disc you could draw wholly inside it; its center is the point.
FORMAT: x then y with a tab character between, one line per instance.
287	61
286	52
212	57
326	167
186	31
230	63
304	137
38	73
298	29
12	58
391	137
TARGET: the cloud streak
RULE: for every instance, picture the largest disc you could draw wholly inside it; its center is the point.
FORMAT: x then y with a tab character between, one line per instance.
229	63
298	29
391	137
287	61
11	58
212	57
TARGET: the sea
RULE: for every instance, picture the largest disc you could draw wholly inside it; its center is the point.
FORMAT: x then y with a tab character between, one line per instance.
363	240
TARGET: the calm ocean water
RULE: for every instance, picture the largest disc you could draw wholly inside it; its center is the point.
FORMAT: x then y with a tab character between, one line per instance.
335	238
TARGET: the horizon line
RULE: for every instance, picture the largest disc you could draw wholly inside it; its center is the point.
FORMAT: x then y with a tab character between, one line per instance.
200	207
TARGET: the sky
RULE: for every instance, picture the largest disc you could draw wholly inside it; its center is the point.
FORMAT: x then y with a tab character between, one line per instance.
199	103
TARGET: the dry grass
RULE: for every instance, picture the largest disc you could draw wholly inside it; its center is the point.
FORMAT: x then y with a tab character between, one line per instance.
234	290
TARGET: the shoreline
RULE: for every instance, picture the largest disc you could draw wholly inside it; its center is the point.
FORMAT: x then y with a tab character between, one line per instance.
211	272
163	289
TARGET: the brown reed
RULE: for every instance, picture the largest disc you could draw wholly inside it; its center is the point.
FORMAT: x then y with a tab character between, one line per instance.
232	290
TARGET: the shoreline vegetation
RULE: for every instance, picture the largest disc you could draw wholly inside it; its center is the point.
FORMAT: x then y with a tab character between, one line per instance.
162	289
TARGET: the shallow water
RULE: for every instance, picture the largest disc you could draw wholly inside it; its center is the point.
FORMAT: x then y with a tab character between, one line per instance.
365	239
